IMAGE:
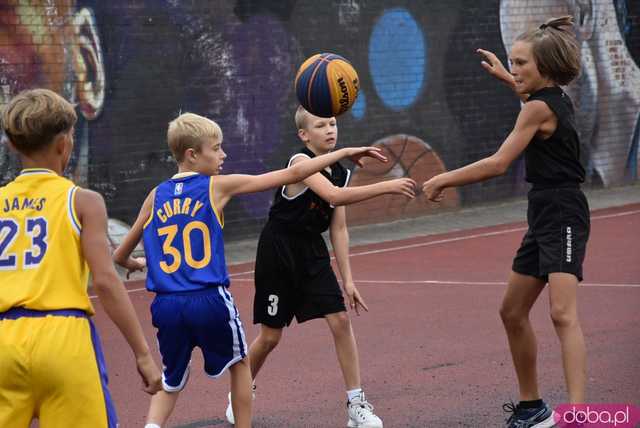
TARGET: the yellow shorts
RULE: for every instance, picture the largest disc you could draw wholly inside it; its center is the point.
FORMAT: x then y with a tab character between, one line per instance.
52	369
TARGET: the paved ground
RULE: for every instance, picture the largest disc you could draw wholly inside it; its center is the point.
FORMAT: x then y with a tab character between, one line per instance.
442	359
462	219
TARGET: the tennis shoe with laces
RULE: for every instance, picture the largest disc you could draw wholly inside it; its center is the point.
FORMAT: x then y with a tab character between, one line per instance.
540	417
361	414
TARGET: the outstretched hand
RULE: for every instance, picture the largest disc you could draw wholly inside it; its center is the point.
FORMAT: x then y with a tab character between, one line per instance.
403	186
433	190
357	153
493	65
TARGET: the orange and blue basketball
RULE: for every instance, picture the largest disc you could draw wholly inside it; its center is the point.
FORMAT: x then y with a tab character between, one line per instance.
326	85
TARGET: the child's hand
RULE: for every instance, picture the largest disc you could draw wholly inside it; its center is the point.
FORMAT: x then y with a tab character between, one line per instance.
433	190
355	300
403	186
151	377
357	153
493	65
134	264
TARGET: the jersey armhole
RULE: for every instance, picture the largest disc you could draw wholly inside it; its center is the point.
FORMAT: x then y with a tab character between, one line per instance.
218	214
153	205
346	180
346	183
71	210
284	188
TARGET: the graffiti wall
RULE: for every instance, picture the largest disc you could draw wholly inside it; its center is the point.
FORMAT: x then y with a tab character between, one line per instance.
132	66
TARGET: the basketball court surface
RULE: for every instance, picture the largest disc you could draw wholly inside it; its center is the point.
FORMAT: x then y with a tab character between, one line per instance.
432	348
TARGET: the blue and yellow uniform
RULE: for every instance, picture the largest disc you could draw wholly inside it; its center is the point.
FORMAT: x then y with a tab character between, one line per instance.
51	364
184	248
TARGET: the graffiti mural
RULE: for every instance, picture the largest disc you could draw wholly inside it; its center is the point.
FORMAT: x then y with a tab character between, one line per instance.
55	45
607	93
132	66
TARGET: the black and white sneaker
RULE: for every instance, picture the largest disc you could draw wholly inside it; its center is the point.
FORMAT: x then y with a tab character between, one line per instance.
539	417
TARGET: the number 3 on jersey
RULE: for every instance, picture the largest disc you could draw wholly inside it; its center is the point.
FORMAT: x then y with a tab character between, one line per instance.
176	257
36	228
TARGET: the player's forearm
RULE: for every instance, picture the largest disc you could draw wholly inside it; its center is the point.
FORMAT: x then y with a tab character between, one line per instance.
117	305
340	243
302	170
121	255
481	170
351	195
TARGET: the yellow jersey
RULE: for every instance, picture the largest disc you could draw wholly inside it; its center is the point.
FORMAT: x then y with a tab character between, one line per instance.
41	262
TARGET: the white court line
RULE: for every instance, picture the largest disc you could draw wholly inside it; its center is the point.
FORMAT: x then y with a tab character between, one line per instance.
459	238
445	241
472	283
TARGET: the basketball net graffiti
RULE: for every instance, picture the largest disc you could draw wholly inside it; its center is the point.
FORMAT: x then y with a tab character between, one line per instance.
408	157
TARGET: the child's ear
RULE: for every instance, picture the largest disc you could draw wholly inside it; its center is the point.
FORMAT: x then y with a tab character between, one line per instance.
302	134
190	155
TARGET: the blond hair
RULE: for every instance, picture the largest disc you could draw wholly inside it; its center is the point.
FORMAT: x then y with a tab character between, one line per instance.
34	117
301	117
555	49
190	131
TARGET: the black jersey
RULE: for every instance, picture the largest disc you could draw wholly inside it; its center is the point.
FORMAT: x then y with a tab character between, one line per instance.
306	212
556	160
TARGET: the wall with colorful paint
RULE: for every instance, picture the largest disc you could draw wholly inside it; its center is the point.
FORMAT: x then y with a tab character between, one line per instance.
131	66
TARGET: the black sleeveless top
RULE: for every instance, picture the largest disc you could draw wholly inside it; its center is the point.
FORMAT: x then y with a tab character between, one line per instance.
556	160
306	212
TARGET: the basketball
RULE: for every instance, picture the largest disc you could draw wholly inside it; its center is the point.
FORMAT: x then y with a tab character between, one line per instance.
326	85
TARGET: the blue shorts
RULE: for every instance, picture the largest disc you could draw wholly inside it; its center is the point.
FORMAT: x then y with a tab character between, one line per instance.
207	319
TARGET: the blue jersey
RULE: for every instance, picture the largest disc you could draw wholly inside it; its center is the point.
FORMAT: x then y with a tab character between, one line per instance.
183	237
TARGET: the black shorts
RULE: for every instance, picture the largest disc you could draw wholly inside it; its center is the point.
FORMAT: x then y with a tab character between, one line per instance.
293	277
559	225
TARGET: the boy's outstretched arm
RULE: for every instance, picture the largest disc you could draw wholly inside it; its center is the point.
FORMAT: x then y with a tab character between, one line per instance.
92	214
338	196
339	235
227	186
122	254
530	119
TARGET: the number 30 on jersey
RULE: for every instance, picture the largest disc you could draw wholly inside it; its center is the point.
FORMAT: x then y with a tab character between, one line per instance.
168	248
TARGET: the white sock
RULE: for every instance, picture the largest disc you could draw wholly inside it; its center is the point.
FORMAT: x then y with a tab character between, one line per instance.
351	394
152	426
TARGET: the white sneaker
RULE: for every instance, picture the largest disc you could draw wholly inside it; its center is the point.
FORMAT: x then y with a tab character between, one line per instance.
361	414
229	413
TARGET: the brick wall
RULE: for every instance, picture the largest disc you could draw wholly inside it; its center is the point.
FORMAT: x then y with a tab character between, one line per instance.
131	66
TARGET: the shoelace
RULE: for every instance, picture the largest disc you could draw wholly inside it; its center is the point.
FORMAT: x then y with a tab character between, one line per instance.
363	409
512	408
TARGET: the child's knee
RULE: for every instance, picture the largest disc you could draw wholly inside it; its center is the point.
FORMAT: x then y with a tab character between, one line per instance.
563	316
270	338
512	316
339	322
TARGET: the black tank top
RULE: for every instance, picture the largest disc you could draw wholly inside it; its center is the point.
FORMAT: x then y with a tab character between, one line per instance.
306	212
556	160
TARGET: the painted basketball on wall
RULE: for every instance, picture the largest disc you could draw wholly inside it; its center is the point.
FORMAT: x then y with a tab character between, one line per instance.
410	157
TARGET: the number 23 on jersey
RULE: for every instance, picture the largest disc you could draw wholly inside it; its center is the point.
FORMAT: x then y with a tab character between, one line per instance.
10	230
